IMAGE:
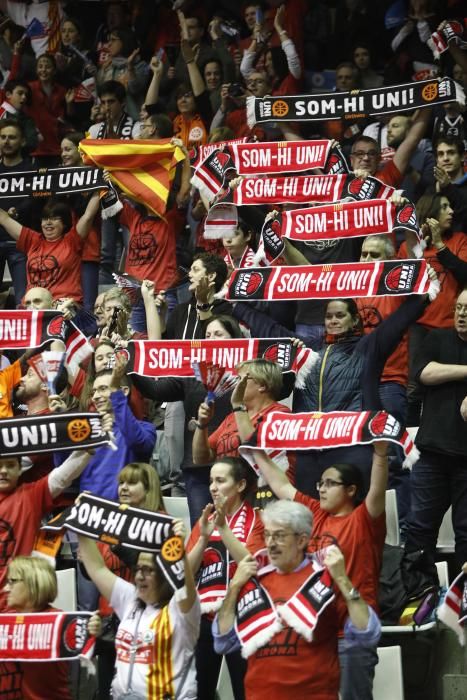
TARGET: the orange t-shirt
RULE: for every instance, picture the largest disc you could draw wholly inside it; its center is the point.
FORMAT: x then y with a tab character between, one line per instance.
373	310
439	314
9	378
55	265
288	666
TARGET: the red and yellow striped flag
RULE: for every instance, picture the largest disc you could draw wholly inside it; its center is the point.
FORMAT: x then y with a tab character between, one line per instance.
143	169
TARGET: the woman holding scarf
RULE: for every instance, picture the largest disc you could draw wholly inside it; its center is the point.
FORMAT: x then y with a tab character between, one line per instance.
216	544
158	628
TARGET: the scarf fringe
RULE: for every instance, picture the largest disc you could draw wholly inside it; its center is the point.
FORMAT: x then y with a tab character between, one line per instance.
446	615
113	210
434	289
211	606
411	458
261	639
250	111
302	374
292	620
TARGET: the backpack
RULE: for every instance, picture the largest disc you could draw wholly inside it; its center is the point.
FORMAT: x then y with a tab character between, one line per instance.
405	578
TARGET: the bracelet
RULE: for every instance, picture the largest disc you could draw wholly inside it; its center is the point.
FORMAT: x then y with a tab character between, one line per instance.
199	425
241	409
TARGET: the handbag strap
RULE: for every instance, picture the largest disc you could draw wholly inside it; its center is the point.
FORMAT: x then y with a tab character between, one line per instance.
133	650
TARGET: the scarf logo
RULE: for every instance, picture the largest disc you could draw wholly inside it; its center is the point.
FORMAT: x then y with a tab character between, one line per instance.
430	92
57	327
384	424
274	239
334	164
400	278
362	189
251	597
280	353
407	215
219	162
75	634
280	108
248	283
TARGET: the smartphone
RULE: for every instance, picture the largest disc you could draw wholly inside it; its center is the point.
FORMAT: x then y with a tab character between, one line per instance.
259	16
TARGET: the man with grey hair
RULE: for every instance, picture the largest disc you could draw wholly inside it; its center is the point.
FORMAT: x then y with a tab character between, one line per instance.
286	610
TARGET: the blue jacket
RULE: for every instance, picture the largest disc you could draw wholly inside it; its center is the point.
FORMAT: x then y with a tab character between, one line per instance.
135	441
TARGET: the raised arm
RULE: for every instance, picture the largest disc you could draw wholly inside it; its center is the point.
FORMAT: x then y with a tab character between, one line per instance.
202	453
152	93
63	476
408	146
376	497
85	221
196	79
12	227
92	559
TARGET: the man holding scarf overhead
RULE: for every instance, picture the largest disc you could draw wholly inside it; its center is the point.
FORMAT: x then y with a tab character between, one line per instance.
286	610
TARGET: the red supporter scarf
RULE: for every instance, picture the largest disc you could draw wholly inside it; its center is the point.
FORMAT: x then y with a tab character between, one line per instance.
30	329
247	259
167	358
218	567
453	610
440	40
199	153
353	105
316	431
340	220
257	619
45	636
268	158
336	281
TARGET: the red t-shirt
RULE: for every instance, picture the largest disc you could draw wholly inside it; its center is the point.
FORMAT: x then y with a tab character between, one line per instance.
361	539
46	111
373	310
288	666
225	441
389	174
55	265
20	517
152	247
438	314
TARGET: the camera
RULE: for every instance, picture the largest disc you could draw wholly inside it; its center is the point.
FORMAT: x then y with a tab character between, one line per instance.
236	90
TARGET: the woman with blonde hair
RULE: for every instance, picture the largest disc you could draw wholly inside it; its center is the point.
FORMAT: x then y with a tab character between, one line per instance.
31	586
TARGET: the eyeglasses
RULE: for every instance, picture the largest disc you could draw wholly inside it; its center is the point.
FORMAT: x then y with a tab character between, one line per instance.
185	94
328	484
280	536
12	581
363	154
255	81
461	308
145	571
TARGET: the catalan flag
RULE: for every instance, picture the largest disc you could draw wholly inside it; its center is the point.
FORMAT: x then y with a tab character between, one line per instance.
144	169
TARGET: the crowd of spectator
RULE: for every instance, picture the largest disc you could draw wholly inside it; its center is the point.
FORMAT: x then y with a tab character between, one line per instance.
180	73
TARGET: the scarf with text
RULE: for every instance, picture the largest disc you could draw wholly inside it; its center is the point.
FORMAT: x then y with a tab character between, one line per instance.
77	346
200	152
453	610
300	189
51	433
167	358
30	329
311	431
49	181
45	636
123	129
356	104
217	567
143	169
119	524
257	619
248	259
440	40
334	281
340	220
267	158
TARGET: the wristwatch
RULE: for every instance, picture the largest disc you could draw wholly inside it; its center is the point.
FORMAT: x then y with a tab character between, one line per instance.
241	408
353	594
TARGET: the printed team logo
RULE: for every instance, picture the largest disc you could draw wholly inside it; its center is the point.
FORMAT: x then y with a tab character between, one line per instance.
280	108
272	237
74	634
430	92
362	189
384	425
172	550
248	283
280	353
78	430
335	164
57	327
400	278
196	134
219	163
407	215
